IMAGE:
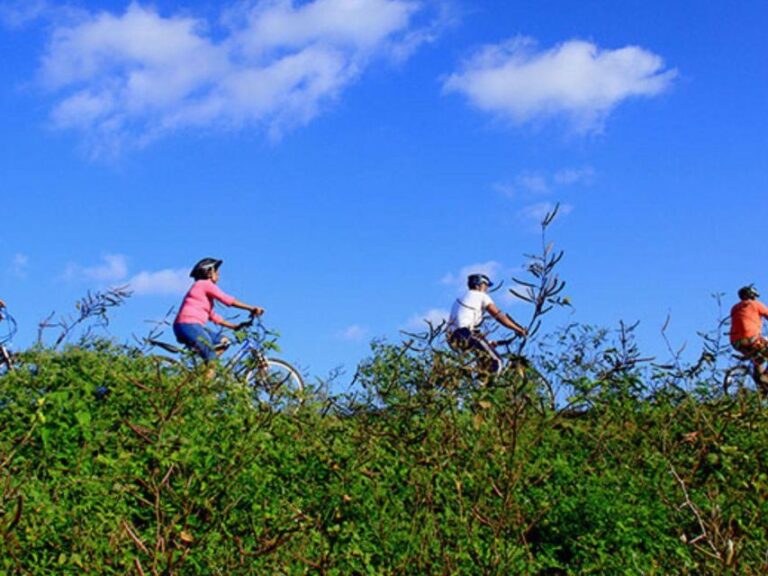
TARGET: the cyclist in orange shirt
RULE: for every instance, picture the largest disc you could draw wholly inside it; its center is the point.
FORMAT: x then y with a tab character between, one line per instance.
747	327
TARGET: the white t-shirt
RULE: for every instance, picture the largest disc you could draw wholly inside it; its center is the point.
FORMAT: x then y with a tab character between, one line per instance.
467	311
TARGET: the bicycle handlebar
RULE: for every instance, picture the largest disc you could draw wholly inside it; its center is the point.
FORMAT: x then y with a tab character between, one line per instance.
248	323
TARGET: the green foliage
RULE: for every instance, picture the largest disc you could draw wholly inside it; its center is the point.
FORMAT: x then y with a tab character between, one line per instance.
113	463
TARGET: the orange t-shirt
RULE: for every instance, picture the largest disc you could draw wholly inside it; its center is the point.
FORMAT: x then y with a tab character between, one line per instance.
747	319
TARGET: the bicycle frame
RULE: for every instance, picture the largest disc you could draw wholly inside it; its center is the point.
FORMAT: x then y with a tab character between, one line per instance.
5	355
249	345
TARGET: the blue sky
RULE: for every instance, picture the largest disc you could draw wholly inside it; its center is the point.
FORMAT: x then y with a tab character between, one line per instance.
351	160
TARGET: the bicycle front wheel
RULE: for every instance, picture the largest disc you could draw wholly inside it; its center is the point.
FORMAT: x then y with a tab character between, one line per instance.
277	383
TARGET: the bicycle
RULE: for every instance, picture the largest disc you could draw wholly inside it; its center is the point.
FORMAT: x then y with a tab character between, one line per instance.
270	379
6	357
737	375
484	361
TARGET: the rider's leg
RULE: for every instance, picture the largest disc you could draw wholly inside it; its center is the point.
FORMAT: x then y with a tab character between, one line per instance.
490	357
756	350
458	340
759	358
198	338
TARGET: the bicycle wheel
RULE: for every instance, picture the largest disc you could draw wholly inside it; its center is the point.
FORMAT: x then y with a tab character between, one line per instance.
166	364
6	362
277	383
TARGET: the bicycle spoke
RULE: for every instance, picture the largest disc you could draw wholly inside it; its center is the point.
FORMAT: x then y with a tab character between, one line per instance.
276	384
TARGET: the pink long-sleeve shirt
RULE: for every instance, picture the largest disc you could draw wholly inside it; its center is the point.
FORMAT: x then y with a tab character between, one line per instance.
197	306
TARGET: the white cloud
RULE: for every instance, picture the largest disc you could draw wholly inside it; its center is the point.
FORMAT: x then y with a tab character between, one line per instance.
574	176
575	79
19	265
168	281
492	269
531	187
137	76
534	184
113	269
361	24
353	333
525	184
534	214
18	13
434	316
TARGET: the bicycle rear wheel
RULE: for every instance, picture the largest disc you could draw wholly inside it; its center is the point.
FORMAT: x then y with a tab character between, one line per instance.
277	383
6	362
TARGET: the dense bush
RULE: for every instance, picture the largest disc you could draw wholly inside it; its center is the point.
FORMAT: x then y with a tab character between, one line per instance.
113	463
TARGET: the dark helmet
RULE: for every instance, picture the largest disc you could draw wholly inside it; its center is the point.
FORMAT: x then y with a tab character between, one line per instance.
203	269
475	280
748	293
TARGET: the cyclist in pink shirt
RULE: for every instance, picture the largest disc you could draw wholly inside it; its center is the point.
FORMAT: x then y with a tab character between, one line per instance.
197	308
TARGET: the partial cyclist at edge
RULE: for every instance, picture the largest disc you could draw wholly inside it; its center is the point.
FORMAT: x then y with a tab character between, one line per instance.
197	309
746	331
467	314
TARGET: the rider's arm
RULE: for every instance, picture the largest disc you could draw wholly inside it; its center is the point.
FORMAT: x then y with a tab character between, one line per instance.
227	324
217	293
255	310
2	304
505	320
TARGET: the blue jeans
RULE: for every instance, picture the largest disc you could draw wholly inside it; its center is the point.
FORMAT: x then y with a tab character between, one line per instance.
198	338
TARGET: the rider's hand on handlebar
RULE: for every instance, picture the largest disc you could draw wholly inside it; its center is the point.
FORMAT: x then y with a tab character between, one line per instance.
255	312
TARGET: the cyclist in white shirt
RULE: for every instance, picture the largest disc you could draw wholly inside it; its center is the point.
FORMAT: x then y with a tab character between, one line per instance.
466	316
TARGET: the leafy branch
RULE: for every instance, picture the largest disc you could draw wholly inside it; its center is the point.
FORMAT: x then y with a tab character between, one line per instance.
93	307
543	290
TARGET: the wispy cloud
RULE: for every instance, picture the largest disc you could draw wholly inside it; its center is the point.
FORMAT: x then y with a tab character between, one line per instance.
534	214
353	333
496	271
531	188
114	269
168	281
19	265
127	79
458	280
18	13
576	80
570	177
433	316
536	184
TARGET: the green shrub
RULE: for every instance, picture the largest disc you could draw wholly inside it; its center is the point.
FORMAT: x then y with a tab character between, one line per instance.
113	463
